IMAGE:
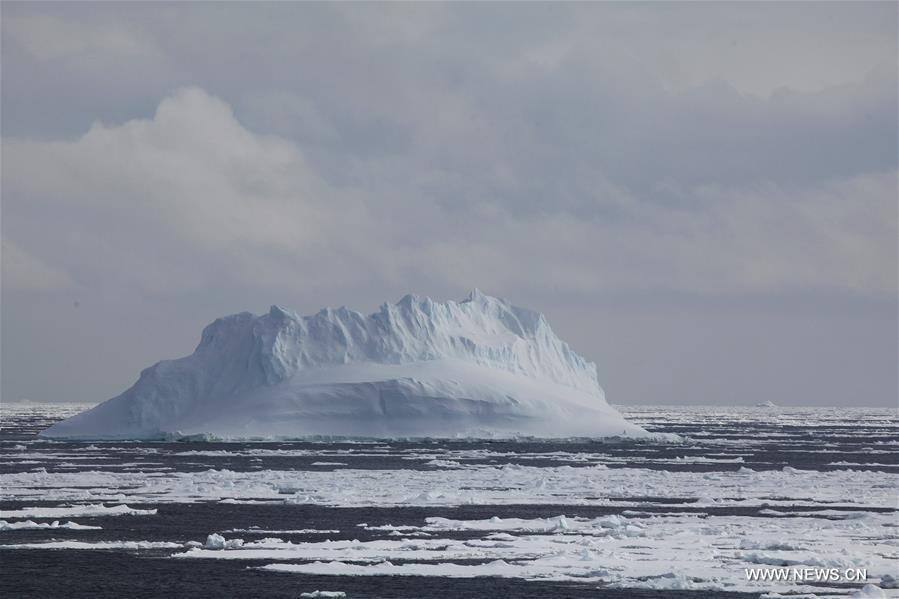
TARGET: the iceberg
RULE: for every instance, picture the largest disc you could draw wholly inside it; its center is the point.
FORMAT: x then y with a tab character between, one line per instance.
418	368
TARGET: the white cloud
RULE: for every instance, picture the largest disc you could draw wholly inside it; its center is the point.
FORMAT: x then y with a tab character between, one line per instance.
189	189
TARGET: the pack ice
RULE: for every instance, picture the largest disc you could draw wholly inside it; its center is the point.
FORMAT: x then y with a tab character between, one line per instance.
418	368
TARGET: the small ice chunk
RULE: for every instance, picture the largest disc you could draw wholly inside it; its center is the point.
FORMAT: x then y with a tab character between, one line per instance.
217	541
324	594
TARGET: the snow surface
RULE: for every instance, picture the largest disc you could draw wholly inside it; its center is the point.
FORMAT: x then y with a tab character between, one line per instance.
418	368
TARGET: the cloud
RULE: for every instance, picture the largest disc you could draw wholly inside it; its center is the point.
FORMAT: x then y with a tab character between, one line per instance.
49	37
22	270
191	182
624	167
193	196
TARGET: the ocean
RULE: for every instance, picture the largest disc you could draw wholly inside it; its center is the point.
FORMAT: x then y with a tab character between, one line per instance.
747	488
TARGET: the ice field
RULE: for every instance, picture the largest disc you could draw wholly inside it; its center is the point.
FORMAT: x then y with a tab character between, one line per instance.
748	488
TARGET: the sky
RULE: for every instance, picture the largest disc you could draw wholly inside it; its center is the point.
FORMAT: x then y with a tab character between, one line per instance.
701	197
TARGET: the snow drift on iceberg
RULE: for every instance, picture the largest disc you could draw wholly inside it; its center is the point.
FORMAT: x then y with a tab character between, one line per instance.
418	368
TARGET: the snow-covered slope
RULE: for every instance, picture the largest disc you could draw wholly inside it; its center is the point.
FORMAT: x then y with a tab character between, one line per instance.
419	368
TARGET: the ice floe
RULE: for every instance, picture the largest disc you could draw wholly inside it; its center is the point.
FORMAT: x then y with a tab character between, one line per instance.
101	545
32	525
710	553
76	511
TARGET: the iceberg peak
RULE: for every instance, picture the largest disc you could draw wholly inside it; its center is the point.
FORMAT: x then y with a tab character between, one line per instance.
476	295
280	313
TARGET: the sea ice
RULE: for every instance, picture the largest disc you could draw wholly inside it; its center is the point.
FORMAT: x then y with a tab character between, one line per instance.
76	511
32	525
217	541
101	545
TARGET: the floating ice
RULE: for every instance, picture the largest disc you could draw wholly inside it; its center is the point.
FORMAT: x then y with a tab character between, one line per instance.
869	591
324	594
607	525
76	511
217	541
297	531
417	368
497	568
32	525
698	530
101	545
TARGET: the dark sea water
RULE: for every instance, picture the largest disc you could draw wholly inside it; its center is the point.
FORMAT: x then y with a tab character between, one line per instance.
840	467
